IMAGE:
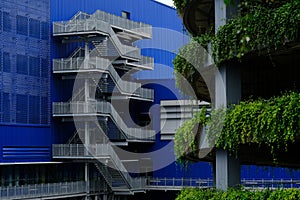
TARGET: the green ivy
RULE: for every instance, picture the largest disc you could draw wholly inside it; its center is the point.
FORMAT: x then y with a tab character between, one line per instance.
184	142
274	123
188	60
241	194
182	4
259	28
262	26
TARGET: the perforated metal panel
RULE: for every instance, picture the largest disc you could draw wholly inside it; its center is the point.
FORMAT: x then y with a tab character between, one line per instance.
24	62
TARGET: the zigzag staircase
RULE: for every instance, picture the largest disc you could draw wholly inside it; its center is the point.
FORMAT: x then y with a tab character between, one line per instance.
106	33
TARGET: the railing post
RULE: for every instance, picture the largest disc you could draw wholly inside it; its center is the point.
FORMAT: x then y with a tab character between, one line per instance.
173	182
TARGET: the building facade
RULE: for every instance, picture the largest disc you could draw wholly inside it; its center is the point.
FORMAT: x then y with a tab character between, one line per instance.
81	86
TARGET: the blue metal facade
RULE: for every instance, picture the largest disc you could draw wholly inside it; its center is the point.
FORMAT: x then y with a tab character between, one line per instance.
27	89
25	81
168	36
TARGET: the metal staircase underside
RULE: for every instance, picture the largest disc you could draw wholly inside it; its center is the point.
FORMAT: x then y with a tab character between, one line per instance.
102	108
101	65
93	25
106	161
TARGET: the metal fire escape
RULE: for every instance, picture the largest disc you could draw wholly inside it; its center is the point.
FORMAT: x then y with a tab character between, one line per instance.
107	55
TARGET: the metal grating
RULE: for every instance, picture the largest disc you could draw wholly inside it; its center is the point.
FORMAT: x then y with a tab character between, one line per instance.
24	62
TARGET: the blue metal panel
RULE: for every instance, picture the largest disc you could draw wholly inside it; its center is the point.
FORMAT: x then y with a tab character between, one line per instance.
24	80
162	47
22	137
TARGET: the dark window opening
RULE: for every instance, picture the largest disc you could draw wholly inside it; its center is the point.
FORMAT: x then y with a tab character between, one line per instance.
125	15
22	25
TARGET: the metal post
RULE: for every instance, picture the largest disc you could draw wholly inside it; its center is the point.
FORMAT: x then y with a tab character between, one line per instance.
86	179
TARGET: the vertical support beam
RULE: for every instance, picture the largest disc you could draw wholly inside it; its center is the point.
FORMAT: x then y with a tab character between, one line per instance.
10	178
86	55
228	91
87	180
227	170
104	196
17	174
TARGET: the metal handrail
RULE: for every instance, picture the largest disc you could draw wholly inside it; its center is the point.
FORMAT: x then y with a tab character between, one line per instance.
102	107
117	21
98	151
42	190
271	183
123	23
179	182
92	25
103	65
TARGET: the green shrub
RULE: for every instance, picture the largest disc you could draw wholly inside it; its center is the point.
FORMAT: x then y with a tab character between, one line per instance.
239	194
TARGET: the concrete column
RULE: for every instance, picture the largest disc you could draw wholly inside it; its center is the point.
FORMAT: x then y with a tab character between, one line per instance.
228	91
227	170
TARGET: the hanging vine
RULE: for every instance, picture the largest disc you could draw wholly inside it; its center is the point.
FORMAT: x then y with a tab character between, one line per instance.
274	123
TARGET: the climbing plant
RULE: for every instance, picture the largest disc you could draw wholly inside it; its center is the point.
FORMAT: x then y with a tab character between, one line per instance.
188	60
261	26
274	123
185	141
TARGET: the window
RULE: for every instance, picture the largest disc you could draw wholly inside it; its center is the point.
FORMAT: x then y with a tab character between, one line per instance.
6	62
44	30
5	107
22	108
125	15
1	66
34	66
34	28
34	107
6	22
22	25
0	21
22	65
44	68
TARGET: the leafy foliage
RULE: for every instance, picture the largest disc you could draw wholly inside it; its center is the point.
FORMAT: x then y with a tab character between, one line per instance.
241	194
274	123
188	60
262	26
259	27
184	141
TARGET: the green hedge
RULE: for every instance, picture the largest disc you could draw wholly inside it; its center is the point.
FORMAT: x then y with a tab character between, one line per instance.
239	194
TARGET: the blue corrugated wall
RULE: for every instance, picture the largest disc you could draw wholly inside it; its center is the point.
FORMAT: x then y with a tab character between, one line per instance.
25	133
25	48
168	36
